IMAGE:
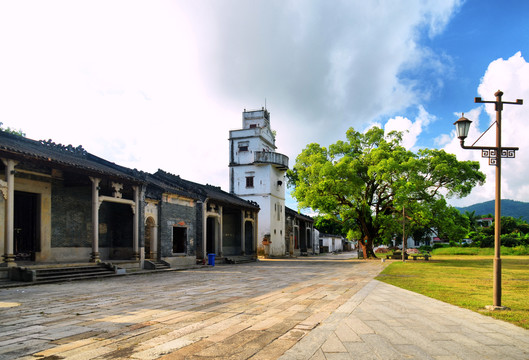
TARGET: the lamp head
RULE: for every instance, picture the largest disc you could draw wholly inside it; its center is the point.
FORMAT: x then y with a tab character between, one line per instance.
462	127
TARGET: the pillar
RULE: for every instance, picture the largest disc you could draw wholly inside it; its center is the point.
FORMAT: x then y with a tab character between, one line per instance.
221	230
95	219
154	242
9	256
204	229
255	232
136	223
243	234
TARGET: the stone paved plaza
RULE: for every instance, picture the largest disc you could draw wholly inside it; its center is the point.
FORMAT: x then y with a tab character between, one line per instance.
325	307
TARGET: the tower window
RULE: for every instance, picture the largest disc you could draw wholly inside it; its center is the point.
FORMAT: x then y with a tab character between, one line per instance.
243	146
249	181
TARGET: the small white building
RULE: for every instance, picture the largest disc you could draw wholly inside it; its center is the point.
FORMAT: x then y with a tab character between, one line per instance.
257	173
330	243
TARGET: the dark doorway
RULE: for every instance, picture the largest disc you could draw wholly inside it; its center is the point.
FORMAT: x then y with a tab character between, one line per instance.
248	241
179	240
26	226
210	235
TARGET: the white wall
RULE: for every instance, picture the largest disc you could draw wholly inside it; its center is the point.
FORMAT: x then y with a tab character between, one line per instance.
334	243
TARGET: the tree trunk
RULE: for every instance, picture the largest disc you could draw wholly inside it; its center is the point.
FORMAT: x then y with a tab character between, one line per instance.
367	248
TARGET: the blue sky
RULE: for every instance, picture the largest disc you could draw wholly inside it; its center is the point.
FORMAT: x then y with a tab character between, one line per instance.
159	84
477	34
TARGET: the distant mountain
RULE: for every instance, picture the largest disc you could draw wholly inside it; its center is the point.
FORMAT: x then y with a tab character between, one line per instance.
516	209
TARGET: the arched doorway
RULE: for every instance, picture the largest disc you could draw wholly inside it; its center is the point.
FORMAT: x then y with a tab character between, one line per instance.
150	239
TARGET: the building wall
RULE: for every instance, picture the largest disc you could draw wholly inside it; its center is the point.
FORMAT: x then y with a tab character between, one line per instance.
176	211
71	223
333	243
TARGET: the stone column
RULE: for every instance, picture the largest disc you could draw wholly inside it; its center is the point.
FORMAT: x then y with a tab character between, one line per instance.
204	229
243	234
95	219
9	256
136	222
221	230
154	241
256	232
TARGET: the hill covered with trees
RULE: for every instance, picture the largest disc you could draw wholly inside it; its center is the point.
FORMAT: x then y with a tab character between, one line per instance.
513	208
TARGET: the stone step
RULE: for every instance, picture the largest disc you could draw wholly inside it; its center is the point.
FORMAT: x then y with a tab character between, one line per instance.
239	259
160	265
71	270
52	279
42	274
72	273
156	265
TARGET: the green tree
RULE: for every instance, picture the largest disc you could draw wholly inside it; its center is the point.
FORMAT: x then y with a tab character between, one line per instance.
449	223
329	225
368	180
514	232
12	131
472	219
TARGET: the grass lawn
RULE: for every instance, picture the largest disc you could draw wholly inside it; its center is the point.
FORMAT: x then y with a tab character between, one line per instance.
466	281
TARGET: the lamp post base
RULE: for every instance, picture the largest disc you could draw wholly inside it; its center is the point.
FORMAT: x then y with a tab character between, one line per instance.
497	308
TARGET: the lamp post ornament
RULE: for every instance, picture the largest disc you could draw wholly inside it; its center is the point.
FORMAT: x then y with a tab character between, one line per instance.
494	154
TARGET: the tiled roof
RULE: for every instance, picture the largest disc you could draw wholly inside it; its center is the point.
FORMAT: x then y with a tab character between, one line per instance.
203	192
165	186
69	157
61	156
292	212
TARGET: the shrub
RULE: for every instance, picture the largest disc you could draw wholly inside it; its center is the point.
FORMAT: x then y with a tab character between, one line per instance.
425	248
517	250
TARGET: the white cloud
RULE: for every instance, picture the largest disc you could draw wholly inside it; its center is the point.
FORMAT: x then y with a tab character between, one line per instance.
160	84
410	129
512	77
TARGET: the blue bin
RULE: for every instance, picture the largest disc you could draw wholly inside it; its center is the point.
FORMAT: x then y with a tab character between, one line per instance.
211	259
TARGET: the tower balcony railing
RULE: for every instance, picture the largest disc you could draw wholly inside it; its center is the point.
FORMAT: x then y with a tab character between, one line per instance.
267	157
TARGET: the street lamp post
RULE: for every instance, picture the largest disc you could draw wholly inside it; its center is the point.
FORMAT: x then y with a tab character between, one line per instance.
494	154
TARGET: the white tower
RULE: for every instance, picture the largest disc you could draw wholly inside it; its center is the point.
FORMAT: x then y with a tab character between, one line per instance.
257	173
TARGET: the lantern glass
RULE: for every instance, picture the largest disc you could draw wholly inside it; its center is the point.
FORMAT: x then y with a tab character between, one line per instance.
462	127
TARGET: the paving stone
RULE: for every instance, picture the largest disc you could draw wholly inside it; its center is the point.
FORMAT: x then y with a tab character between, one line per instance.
412	352
460	350
333	345
187	351
358	326
345	333
360	350
295	309
510	352
394	337
318	356
381	346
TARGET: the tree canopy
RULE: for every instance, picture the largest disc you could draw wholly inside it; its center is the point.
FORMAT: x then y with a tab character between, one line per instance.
12	131
371	181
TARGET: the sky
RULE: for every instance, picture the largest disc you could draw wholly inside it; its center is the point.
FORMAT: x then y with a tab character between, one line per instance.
159	84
